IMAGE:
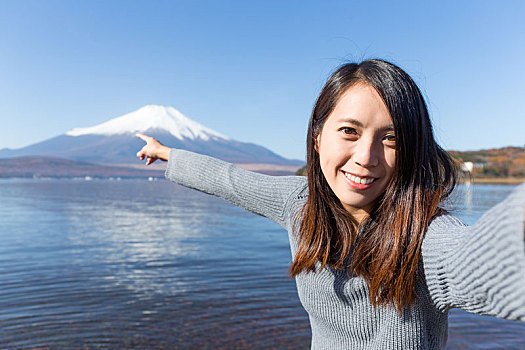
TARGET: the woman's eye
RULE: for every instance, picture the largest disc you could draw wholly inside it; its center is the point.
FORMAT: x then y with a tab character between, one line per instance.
390	138
348	131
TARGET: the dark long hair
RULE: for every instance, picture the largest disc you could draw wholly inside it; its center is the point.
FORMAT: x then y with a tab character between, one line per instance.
385	249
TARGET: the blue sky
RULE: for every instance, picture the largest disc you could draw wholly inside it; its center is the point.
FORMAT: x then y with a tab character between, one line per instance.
252	69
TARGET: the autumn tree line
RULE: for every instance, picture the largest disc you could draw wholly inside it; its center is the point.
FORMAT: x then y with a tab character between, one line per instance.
494	163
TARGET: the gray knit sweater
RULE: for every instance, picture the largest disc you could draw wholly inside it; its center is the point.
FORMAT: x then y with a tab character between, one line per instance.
479	268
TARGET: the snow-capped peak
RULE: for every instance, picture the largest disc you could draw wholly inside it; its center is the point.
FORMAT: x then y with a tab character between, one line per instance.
149	118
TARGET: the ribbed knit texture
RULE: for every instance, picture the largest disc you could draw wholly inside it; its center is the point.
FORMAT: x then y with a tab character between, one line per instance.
479	268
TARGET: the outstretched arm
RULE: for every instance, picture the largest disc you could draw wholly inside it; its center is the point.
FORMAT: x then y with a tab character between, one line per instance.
261	194
479	268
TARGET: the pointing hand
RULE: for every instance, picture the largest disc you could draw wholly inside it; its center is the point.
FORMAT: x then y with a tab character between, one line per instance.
153	150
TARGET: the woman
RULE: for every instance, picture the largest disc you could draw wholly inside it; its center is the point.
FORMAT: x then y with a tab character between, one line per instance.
377	261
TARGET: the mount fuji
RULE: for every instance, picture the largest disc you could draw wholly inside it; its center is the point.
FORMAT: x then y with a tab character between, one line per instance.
114	142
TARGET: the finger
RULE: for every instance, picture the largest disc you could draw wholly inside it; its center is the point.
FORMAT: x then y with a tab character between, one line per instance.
141	153
150	160
143	137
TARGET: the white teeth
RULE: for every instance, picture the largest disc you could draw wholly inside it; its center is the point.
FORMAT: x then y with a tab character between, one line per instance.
358	180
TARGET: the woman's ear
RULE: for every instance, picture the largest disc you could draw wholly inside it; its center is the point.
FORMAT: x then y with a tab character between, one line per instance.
317	139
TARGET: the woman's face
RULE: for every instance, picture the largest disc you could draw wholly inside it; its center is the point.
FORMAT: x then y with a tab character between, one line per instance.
357	149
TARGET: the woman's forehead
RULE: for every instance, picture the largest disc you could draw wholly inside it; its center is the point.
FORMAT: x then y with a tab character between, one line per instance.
361	105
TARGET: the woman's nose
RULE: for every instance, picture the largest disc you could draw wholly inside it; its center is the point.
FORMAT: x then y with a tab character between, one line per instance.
366	153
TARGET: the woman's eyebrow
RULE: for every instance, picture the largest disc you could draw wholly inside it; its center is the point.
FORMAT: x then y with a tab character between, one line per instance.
352	121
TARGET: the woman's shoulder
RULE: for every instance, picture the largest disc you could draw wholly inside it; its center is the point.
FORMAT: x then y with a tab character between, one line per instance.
296	184
300	188
298	194
446	220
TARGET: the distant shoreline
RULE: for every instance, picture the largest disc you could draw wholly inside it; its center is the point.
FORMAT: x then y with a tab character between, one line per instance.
495	180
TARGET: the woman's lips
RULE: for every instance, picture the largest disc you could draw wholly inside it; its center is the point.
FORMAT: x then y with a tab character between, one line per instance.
358	182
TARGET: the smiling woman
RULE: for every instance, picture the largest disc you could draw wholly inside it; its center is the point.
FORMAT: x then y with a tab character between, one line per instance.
378	262
374	163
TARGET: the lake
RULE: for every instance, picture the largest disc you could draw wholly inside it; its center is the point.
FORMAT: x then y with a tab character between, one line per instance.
149	264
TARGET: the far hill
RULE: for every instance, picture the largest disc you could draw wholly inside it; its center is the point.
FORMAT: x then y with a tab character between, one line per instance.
43	167
494	162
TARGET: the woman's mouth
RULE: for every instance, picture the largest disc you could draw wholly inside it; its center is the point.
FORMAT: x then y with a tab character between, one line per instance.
358	181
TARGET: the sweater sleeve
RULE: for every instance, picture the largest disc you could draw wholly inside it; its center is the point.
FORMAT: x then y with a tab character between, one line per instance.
479	268
260	194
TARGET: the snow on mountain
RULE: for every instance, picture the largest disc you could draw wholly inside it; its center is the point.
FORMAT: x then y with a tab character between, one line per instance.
149	118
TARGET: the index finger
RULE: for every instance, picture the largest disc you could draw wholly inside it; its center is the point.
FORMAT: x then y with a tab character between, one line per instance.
143	137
